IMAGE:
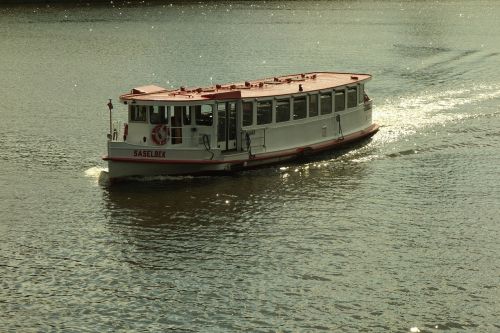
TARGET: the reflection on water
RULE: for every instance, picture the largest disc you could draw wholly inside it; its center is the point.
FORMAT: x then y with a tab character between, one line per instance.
166	200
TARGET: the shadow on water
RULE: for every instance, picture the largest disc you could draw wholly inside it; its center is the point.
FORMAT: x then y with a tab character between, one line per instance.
225	201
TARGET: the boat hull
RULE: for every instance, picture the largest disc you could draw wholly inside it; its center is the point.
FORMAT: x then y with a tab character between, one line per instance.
154	164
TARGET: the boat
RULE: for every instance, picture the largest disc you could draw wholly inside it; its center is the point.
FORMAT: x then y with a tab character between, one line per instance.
230	127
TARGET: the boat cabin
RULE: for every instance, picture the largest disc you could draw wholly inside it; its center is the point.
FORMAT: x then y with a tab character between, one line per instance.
240	117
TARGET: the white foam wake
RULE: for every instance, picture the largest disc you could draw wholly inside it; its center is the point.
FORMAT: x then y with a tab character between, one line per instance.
406	115
95	172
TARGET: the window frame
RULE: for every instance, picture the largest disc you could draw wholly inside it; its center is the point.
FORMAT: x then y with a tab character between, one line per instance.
350	99
197	115
340	92
270	112
330	105
187	117
277	104
309	104
253	121
361	93
163	114
138	108
294	98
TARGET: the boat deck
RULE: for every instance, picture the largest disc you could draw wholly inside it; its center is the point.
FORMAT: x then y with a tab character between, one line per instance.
268	87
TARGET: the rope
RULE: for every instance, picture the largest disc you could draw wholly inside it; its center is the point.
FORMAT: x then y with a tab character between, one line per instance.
340	128
248	142
206	143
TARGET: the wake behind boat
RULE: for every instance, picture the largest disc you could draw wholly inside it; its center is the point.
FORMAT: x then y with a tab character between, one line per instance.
237	126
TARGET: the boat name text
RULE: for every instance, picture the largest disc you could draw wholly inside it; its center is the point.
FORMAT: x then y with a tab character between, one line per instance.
148	153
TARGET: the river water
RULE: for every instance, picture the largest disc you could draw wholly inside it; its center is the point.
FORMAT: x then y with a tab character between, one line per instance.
399	233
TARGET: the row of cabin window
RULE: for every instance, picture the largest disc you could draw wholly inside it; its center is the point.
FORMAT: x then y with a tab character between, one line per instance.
203	114
297	107
179	115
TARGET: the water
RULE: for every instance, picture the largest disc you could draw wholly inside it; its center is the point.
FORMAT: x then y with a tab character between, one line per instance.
398	234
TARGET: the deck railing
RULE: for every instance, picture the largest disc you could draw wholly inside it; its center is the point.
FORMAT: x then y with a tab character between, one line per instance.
116	128
177	135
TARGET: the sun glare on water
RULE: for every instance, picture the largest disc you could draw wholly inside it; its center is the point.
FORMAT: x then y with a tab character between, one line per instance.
406	115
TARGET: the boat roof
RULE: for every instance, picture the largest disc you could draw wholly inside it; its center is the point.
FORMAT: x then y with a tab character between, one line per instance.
268	87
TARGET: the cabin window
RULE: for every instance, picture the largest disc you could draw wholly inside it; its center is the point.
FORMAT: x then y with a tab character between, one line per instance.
282	110
313	105
340	100
264	112
326	103
352	97
137	113
247	113
221	122
163	110
176	131
186	115
157	115
361	93
299	107
231	120
204	114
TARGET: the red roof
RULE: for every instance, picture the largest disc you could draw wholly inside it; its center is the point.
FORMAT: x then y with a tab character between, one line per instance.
275	86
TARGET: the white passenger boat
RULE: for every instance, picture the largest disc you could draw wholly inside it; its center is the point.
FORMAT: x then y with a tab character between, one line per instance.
236	126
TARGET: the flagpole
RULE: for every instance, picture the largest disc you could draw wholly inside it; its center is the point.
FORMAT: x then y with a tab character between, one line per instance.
110	135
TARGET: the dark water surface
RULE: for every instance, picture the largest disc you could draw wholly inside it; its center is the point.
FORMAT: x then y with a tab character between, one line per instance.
401	232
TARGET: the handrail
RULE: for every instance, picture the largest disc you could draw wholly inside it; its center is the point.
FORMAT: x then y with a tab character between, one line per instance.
180	134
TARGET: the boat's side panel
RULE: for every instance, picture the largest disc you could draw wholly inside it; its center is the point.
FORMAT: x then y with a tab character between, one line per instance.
307	150
353	120
123	150
297	134
123	169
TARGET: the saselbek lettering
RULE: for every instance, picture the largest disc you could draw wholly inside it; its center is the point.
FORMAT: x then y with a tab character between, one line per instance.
149	153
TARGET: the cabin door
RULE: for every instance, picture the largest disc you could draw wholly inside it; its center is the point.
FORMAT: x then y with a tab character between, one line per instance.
226	126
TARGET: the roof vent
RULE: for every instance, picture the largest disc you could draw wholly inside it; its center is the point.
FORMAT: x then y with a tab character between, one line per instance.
353	77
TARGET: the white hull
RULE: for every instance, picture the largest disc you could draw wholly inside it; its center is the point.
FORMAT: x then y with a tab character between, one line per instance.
119	169
124	167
